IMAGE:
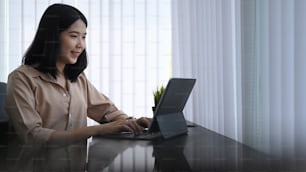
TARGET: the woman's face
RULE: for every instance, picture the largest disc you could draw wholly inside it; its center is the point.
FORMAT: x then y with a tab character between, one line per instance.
72	44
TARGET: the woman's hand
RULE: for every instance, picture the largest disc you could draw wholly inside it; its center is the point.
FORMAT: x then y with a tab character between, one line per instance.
132	125
122	125
144	121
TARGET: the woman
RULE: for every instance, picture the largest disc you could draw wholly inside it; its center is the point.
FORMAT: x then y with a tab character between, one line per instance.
49	97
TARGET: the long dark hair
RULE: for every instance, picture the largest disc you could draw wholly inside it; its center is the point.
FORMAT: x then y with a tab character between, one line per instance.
45	48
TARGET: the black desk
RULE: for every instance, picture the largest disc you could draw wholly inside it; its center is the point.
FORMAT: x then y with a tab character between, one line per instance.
200	150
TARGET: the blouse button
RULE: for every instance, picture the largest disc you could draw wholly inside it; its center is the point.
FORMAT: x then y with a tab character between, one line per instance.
64	94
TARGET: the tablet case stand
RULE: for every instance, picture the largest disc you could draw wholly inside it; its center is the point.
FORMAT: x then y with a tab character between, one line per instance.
171	124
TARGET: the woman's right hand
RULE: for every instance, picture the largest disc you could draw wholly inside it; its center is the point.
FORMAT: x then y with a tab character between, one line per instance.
122	125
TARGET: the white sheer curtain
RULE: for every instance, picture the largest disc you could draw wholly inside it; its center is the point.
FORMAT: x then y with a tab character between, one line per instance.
275	82
128	45
206	46
249	58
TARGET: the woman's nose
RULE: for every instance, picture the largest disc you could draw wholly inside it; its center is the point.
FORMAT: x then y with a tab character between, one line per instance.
81	43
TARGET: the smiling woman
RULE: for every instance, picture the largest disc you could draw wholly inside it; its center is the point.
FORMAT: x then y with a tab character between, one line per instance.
72	44
128	48
49	97
128	43
60	32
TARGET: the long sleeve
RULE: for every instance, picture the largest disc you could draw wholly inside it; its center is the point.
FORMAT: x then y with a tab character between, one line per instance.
20	106
100	107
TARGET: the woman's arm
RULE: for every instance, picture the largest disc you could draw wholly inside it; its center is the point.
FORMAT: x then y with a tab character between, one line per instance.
69	137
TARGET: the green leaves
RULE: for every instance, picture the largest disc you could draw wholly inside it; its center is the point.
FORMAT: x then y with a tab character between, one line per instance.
158	93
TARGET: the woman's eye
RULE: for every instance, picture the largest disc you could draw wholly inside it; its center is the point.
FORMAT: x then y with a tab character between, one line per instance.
73	36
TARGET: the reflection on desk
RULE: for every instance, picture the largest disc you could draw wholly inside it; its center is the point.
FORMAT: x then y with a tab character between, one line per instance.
200	150
40	158
120	155
169	155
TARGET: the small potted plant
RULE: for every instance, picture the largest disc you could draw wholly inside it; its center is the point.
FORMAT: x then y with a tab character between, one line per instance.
157	93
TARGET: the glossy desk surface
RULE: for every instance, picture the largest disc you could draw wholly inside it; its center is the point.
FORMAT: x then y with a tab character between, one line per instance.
200	150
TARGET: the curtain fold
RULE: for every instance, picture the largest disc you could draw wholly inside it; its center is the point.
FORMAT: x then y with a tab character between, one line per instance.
206	46
299	53
3	39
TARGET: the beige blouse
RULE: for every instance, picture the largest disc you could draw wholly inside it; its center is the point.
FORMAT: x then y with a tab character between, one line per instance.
38	105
